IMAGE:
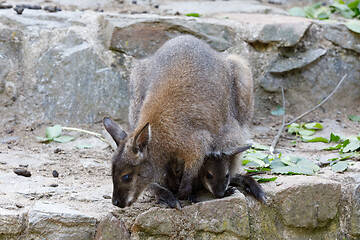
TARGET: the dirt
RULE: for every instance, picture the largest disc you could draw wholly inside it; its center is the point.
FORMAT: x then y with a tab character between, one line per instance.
84	175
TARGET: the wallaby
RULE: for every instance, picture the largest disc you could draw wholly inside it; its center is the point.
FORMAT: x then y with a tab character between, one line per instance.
195	102
214	175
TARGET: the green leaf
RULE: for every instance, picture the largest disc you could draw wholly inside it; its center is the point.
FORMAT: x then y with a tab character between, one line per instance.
64	139
340	166
297	12
306	132
353	25
83	146
310	11
335	147
260	147
53	132
288	161
313	125
262	180
344	10
279	111
192	15
293	170
43	140
352	146
308	164
317	5
323	15
314	139
276	163
293	128
334	138
354	5
355	118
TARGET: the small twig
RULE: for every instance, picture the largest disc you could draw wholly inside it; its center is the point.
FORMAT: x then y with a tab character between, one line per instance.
84	131
306	113
276	139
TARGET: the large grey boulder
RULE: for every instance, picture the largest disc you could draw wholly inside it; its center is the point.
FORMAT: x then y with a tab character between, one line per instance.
225	218
56	221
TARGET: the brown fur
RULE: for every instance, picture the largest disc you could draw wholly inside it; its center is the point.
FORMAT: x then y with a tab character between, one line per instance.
188	101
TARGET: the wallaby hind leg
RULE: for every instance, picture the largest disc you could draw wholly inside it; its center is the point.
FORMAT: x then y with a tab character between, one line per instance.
249	185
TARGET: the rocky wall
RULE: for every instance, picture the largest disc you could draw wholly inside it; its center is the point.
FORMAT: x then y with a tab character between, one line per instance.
74	66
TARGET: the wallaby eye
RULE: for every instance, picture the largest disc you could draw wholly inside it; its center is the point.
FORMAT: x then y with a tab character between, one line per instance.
227	176
209	176
126	178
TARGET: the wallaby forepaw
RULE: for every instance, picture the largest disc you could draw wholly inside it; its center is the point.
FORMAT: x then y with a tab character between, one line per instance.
193	199
184	193
230	191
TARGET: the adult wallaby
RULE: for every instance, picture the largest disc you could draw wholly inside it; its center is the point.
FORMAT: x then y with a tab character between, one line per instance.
195	102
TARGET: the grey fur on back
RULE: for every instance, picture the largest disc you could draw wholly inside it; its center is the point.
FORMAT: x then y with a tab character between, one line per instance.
220	83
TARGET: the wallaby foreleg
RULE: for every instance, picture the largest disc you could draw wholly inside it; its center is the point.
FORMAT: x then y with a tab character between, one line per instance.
164	196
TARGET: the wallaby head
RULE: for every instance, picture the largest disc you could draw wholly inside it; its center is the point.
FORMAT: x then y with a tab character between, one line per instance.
215	173
131	168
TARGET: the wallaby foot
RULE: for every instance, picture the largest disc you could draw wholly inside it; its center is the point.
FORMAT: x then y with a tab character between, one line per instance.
164	196
249	185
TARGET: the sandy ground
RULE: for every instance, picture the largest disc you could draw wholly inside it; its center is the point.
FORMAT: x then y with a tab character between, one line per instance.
84	180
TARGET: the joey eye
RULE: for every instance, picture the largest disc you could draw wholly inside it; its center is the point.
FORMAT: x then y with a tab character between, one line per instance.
126	178
209	176
227	176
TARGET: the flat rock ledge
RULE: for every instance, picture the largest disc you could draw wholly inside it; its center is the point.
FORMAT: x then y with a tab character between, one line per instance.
298	207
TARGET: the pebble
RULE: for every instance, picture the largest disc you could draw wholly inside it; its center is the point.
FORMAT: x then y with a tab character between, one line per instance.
55	174
52	9
9	131
9	139
22	172
5	6
58	150
19	205
19	10
33	7
107	197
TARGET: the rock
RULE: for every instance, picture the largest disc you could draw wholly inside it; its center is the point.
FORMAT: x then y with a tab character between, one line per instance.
12	222
56	221
355	220
89	87
212	7
9	139
298	61
143	36
340	35
307	202
111	228
225	218
283	31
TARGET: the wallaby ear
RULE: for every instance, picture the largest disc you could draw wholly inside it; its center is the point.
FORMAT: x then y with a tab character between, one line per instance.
142	138
240	150
114	130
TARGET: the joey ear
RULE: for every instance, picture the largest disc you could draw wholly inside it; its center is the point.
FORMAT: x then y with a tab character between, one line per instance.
116	132
240	150
142	138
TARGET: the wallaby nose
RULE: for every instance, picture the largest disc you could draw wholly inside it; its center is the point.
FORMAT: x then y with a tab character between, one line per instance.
116	202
